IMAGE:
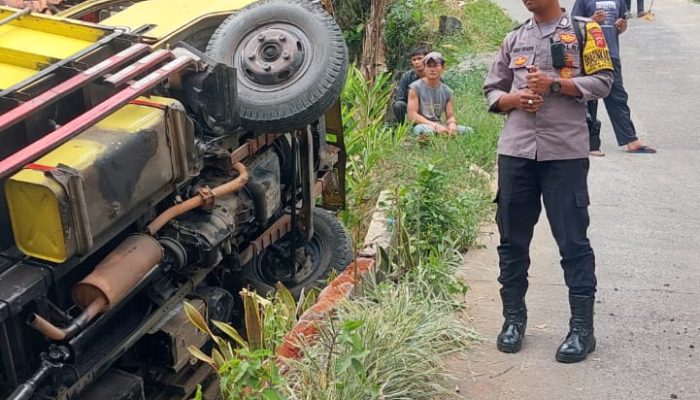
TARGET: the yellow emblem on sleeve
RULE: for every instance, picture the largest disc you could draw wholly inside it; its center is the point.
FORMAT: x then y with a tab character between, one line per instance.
520	61
596	55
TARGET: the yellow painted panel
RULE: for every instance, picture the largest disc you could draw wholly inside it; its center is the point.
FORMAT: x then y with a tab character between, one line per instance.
132	118
169	16
56	25
11	74
37	42
34	200
36	217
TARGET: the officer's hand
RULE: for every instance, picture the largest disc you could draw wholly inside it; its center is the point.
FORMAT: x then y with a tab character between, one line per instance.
621	25
598	16
528	101
538	81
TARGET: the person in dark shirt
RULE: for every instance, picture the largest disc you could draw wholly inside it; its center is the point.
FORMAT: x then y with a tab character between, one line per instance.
610	14
400	103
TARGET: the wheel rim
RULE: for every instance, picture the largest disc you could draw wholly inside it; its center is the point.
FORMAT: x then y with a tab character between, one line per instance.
272	266
273	57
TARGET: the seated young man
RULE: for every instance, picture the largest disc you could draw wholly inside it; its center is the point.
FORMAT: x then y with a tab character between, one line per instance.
401	94
429	98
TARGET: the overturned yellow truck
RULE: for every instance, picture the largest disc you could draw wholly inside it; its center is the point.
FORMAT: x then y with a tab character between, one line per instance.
153	152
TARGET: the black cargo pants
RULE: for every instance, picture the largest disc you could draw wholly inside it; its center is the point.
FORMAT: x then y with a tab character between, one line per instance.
563	186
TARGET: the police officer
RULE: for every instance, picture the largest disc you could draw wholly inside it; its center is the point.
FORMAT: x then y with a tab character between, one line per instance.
542	78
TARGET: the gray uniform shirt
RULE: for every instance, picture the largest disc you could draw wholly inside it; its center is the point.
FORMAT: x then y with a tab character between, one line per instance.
558	131
431	100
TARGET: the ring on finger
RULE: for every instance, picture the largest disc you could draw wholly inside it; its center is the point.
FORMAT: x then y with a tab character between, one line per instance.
530	102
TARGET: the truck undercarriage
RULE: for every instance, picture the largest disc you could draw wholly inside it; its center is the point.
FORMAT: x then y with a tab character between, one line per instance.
144	166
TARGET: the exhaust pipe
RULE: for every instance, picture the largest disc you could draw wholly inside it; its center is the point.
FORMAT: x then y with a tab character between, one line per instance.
107	285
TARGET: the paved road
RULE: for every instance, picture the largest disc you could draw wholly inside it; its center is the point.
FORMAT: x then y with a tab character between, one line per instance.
646	233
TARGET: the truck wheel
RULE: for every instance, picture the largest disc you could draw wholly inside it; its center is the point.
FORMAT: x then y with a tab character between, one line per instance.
291	61
330	248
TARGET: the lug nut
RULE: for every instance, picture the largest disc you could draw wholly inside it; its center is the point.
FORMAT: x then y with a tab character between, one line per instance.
285	55
267	67
261	37
282	38
251	56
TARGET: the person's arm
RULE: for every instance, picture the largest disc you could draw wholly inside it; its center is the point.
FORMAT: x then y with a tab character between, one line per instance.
621	21
586	88
402	88
499	79
413	109
539	82
451	121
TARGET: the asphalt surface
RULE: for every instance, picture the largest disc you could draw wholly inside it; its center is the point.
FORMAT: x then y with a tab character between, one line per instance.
644	230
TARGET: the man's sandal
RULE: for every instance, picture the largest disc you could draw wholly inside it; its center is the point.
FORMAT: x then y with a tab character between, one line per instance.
642	150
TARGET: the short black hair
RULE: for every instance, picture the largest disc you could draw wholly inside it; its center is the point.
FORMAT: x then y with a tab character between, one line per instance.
419	51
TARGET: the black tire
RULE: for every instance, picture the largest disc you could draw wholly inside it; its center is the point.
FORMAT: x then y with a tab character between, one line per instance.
306	74
331	242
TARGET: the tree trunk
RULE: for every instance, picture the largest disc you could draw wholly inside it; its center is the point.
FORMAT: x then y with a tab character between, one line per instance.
373	60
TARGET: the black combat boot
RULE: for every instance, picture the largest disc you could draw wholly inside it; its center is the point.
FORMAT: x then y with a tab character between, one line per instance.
580	340
510	340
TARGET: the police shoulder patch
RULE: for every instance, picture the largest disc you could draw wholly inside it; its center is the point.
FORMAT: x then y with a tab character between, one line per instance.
596	55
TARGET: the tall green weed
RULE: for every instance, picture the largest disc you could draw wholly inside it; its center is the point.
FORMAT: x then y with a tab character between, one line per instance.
368	139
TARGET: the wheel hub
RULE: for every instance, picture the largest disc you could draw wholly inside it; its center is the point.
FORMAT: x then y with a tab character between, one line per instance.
273	55
274	264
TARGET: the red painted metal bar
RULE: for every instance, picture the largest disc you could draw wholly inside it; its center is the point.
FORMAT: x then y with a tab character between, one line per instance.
61	135
144	64
57	92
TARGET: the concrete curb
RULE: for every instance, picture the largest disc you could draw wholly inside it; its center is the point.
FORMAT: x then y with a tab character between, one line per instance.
307	328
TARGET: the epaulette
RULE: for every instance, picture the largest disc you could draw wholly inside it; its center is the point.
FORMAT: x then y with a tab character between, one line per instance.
527	21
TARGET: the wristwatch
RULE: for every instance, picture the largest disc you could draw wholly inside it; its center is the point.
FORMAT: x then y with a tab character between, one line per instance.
555	86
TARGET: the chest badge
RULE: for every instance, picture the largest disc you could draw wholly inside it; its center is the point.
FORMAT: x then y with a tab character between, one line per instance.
567	38
566	73
520	61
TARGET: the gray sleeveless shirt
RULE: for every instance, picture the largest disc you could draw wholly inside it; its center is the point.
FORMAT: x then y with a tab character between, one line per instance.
432	100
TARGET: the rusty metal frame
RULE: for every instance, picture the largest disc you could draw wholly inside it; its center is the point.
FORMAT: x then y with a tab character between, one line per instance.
253	146
280	227
54	139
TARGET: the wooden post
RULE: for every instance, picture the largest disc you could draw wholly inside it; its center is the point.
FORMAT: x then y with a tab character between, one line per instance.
373	60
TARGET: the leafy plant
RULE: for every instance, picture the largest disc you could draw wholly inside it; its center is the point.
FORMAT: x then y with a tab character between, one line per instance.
368	139
246	367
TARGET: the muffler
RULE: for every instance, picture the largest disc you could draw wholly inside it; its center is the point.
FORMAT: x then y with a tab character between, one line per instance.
107	285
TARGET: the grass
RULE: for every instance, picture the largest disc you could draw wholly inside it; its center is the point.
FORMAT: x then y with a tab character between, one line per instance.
408	338
485	26
391	339
389	342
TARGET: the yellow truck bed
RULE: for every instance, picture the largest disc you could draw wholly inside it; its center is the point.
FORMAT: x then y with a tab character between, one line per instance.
32	42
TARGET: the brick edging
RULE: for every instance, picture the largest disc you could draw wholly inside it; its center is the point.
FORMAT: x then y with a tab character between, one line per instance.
308	325
341	287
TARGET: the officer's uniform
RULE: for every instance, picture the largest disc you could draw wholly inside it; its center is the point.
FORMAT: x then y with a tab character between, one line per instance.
545	154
